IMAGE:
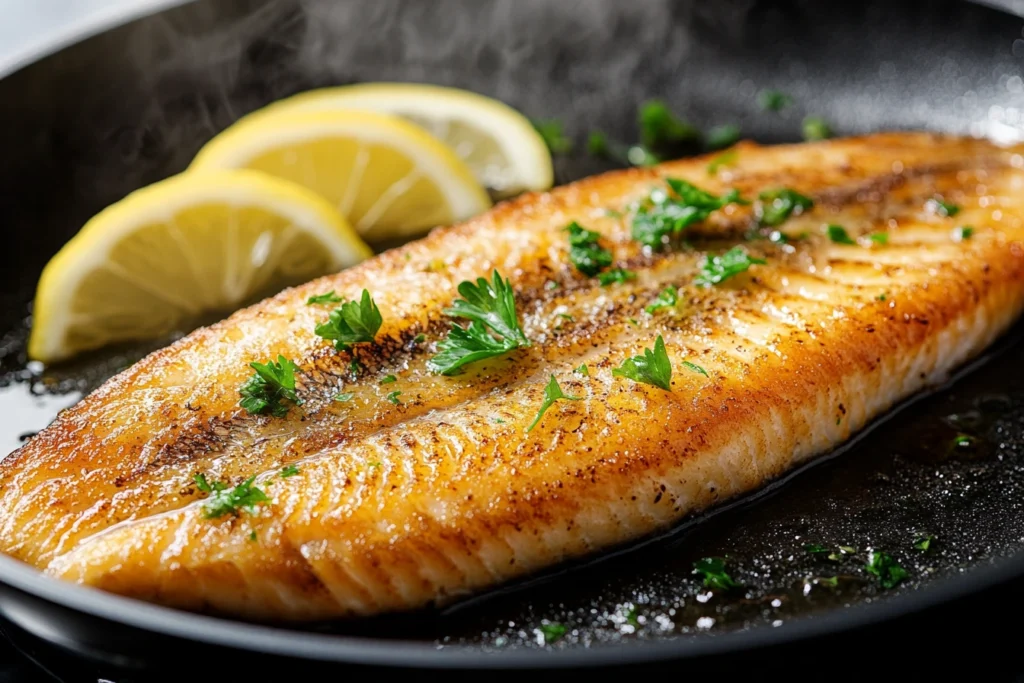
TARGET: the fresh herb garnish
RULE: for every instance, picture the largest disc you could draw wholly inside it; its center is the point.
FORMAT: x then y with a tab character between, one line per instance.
882	565
723	136
727	158
964	441
566	316
717	269
551	131
779	204
942	207
882	297
660	129
419	338
499	421
552	631
393	397
252	536
273	382
695	368
584	251
668	298
352	322
326	298
963	232
816	128
879	238
491	309
552	393
600	146
774	100
388	379
582	370
355	367
224	501
289	471
838	234
816	549
615	275
653	367
828	581
665	214
712	569
343	397
924	542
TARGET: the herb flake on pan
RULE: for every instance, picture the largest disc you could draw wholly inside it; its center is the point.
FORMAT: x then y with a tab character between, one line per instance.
838	234
723	136
272	383
661	129
712	570
223	501
552	393
775	206
885	568
552	631
551	130
493	329
924	542
667	298
652	367
615	275
600	146
351	323
717	269
727	158
325	298
585	253
816	128
774	100
665	214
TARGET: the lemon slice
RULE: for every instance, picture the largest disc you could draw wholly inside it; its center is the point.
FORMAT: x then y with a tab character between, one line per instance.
181	247
389	177
498	143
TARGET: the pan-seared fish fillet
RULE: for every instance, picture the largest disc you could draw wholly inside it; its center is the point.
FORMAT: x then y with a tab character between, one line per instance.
444	493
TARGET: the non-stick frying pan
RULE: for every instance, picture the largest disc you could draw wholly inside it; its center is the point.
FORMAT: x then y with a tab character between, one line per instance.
83	127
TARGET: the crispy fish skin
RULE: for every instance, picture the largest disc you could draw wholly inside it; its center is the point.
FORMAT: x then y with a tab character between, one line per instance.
444	494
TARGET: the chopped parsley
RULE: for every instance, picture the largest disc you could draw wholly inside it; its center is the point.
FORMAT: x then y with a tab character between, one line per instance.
838	234
552	631
355	367
583	370
352	322
419	338
828	553
393	397
889	573
717	269
828	581
343	397
879	238
712	569
660	129
600	146
723	136
566	316
289	471
779	204
586	254
963	232
665	214
493	330
942	207
222	501
882	297
326	298
552	393
924	542
668	298
389	379
615	275
774	100
653	367
273	383
499	421
816	128
816	549
252	536
695	368
551	131
727	158
964	442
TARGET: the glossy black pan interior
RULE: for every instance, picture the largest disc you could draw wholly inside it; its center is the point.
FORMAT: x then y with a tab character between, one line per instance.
85	126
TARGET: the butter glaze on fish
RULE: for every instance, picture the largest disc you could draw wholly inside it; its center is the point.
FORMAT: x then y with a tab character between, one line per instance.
398	506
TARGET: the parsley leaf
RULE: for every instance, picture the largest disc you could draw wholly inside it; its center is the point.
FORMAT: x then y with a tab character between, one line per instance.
552	393
963	232
774	100
393	397
582	370
660	128
289	471
723	136
666	299
273	382
343	397
224	501
727	158
816	128
889	573
419	338
600	146
615	275
838	234
879	238
713	571
552	631
666	214
388	379
554	137
696	368
717	269
653	367
943	208
584	251
777	205
924	542
490	308
327	298
352	322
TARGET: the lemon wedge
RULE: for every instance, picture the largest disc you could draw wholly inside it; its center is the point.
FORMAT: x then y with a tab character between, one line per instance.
181	247
389	177
498	143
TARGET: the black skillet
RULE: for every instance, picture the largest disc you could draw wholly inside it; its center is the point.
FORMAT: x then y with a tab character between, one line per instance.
96	120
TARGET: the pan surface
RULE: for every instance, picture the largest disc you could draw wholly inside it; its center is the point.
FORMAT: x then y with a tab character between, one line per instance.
132	105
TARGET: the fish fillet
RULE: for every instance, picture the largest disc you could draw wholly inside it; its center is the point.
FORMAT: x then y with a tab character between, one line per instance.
445	493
